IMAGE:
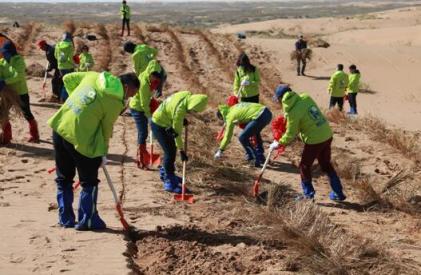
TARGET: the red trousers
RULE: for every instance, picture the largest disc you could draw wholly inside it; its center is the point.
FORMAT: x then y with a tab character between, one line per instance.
311	152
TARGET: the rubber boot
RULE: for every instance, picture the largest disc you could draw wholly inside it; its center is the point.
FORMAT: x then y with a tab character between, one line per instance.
308	190
260	155
6	136
335	183
141	152
172	184
88	215
33	131
162	176
66	216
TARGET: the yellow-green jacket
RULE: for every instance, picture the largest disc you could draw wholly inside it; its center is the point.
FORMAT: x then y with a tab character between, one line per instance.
338	84
7	73
64	52
354	83
125	12
240	113
140	102
18	64
172	111
86	62
305	118
141	57
87	117
253	77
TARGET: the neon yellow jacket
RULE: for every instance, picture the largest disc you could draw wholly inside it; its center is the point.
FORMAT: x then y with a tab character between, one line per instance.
140	102
172	111
125	12
18	64
87	117
354	83
141	57
64	52
86	62
253	77
242	112
305	118
338	84
7	73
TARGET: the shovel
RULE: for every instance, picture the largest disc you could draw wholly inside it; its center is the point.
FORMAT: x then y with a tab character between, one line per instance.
152	159
117	201
44	83
183	196
256	184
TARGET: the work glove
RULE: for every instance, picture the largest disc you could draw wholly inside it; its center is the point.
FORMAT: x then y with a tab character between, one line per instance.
183	156
218	154
2	85
185	122
274	145
104	161
245	82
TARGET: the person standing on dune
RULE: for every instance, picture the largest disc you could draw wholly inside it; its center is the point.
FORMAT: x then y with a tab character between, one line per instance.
125	17
64	52
300	45
337	86
82	129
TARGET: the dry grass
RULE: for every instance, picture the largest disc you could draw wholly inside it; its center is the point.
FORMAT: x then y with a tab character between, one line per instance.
335	116
103	59
9	102
324	247
306	54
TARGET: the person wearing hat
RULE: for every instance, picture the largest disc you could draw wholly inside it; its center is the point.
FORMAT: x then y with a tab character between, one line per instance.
64	51
82	129
305	119
125	17
256	117
167	126
20	86
86	60
300	45
337	87
56	80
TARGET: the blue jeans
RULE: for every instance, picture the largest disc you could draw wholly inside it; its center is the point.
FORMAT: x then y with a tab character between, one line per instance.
141	122
63	94
352	97
167	142
254	128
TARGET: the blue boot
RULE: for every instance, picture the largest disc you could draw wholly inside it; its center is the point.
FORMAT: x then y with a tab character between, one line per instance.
162	175
172	184
88	214
308	190
335	183
66	216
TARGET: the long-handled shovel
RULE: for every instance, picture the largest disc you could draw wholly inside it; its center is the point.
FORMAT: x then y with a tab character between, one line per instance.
117	201
256	184
183	196
44	83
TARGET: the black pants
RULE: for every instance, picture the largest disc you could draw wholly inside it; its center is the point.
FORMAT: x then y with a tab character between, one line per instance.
352	98
26	107
125	22
303	67
336	100
56	83
253	99
68	160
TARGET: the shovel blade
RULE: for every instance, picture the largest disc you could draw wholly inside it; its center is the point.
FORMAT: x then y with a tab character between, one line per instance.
255	190
187	198
151	159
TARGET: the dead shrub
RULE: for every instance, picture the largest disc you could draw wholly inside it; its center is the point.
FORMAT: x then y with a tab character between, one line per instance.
9	102
35	70
318	43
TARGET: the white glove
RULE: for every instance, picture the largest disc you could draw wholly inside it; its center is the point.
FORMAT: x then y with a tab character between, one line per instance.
104	161
218	154
245	82
274	145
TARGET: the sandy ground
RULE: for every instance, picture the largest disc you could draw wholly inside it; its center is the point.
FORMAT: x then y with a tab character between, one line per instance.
220	234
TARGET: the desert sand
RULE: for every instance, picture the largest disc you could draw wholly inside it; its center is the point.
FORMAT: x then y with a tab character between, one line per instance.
226	231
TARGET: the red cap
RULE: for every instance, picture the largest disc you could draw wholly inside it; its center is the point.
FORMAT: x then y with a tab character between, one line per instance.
42	43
